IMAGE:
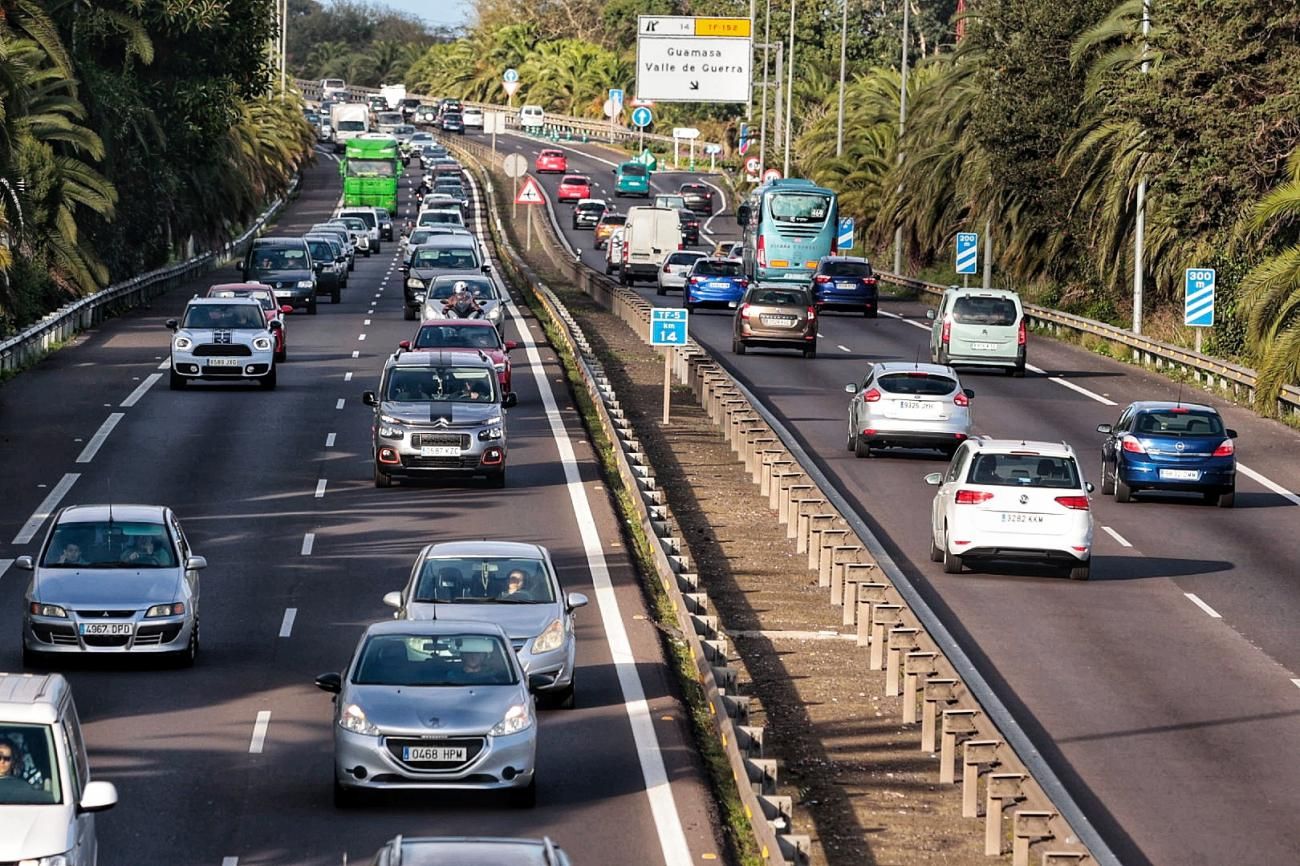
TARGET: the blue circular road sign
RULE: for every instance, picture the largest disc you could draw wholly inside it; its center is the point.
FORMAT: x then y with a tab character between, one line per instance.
641	116
510	75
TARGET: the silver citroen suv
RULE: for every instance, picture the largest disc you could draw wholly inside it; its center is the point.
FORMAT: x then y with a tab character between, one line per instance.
439	414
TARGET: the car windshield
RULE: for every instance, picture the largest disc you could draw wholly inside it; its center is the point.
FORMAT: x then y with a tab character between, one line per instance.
440	217
779	298
419	236
352	126
632	170
224	317
280	259
441	385
445	259
320	251
109	544
916	383
442	660
799	207
481	288
420	137
1025	470
846	269
717	269
1178	422
29	769
388	118
984	311
405	129
484	579
451	336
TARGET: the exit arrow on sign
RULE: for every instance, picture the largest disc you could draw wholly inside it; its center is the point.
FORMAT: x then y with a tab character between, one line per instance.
695	85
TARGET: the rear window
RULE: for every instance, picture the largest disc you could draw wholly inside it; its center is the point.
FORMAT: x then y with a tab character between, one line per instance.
614	219
780	297
320	251
917	383
718	269
366	216
1025	470
969	310
799	207
632	170
574	179
682	258
591	206
694	189
549	154
1173	422
847	269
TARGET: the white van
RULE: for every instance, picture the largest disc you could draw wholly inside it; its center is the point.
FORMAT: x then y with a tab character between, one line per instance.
47	801
531	117
649	235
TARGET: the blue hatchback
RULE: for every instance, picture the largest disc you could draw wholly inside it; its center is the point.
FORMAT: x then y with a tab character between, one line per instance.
1170	447
846	283
715	283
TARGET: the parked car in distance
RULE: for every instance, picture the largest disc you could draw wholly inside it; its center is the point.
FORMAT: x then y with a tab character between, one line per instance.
1169	447
903	404
846	283
775	317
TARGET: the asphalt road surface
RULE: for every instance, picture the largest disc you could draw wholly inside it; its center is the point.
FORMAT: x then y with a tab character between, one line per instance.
1164	691
275	489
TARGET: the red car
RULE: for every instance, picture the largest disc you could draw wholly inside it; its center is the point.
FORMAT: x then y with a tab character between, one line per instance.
266	298
551	160
468	335
574	187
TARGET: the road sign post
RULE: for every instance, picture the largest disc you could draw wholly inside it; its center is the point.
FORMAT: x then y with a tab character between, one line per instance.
516	167
968	254
641	118
844	237
713	150
616	108
1198	300
668	328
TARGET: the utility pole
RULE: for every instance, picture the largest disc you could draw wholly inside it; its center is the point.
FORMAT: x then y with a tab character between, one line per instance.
780	98
1139	233
283	9
789	92
762	129
844	41
749	107
902	125
988	254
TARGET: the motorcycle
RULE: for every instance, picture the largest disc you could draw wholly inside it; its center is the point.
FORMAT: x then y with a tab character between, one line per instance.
462	307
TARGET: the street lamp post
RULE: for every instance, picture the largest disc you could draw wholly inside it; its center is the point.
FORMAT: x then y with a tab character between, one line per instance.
1139	229
902	124
844	41
789	91
762	129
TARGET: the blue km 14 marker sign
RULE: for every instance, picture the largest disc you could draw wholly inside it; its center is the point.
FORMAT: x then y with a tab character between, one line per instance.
641	116
844	239
1198	304
968	252
668	327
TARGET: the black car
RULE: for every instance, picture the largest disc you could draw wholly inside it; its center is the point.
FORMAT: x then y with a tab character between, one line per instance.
328	279
587	212
846	283
284	264
690	225
385	224
698	196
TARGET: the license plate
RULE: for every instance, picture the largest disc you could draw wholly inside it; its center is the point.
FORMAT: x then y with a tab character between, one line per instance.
719	285
433	753
111	628
1008	517
284	294
223	362
1180	474
439	451
919	406
845	286
781	321
984	347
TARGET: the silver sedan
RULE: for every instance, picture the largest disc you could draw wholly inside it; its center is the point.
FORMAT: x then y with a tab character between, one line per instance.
430	705
113	579
908	405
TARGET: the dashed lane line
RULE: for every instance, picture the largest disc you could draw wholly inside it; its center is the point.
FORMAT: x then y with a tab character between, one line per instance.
341	401
260	726
320	488
4	566
308	542
347	377
101	435
329	440
141	390
1123	542
46	508
286	625
844	348
1196	600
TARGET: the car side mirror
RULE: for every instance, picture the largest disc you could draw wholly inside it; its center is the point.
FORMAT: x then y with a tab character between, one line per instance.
511	345
368	398
393	600
275	325
576	600
26	563
172	324
406	270
196	563
98	797
850	388
286	309
509	401
614	172
331	682
1087	485
934	479
405	345
1104	428
969	392
929	314
487	269
538	682
1232	434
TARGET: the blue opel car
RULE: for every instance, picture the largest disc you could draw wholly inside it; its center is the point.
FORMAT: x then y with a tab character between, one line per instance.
1169	447
846	283
714	283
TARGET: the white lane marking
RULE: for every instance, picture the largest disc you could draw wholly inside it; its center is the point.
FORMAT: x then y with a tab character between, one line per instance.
92	447
377	294
320	488
1270	484
1195	599
663	805
844	348
286	625
46	508
259	732
356	353
347	377
308	542
339	404
890	315
329	440
361	337
1123	542
165	365
4	566
366	322
140	390
1091	395
234	861
1295	683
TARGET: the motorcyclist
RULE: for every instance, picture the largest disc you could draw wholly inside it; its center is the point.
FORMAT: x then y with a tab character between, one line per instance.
462	304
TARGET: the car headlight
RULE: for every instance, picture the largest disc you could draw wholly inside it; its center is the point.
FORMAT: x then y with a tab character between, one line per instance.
54	610
495	312
176	609
306	284
182	343
52	860
353	719
415	283
500	368
262	344
489	433
552	638
517	719
387	431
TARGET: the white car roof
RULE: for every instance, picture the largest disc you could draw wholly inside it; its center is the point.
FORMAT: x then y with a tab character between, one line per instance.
599	201
207	302
1009	446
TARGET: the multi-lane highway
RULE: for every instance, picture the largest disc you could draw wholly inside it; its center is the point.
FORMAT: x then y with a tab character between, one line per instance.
230	763
1165	691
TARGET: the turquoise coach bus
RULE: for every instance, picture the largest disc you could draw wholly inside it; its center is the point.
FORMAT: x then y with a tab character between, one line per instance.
787	226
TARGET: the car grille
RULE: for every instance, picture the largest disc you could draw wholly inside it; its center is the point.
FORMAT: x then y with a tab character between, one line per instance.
59	635
106	639
460	440
111	614
156	635
465	461
222	350
473	746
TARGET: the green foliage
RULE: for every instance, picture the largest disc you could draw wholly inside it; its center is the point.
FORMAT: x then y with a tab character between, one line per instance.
366	44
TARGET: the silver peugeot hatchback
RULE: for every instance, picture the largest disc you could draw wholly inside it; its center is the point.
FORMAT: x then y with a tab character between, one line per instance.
901	404
113	579
509	583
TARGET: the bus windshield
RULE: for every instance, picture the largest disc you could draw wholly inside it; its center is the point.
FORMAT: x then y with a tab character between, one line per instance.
799	207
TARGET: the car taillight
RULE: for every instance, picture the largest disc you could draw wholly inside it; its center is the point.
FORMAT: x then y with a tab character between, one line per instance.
681	246
761	252
1078	503
1020	334
744	311
1132	445
668	269
1226	449
744	284
960	399
972	497
872	396
835	244
947	331
812	313
868	281
821	278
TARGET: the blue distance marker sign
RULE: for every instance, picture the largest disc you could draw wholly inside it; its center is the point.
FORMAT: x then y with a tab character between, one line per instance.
1198	302
968	252
668	327
642	116
510	75
844	238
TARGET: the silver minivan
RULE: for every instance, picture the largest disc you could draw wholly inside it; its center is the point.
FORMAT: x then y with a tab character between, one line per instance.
979	328
47	801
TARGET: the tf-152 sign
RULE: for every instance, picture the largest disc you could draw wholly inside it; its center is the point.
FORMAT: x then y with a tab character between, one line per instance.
685	59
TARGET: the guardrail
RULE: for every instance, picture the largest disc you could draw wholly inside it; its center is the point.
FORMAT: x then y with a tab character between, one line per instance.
1206	370
960	716
55	328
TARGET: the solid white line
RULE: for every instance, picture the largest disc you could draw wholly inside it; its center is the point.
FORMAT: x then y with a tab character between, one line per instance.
1115	535
1194	599
1270	484
921	325
46	508
1295	683
141	389
259	732
92	447
308	542
4	566
286	626
320	488
844	348
339	404
1105	401
329	440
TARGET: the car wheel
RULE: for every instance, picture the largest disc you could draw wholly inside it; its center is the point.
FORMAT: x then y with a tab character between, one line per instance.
186	657
382	479
565	698
268	381
352	264
861	447
345	797
936	552
1227	499
1123	493
1018	371
1107	481
738	347
408	314
379	247
660	290
870	314
526	797
368	253
311	307
177	381
1080	571
851	440
336	294
282	355
951	562
810	353
608	269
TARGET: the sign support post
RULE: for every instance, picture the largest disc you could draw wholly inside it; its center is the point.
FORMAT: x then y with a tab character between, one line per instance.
668	328
516	167
668	381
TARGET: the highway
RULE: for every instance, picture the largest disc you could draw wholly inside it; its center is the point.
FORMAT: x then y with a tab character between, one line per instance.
230	763
1165	691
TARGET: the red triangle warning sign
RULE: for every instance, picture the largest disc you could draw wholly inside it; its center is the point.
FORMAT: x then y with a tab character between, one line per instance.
529	193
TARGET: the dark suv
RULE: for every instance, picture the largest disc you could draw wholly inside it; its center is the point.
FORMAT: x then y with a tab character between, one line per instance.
698	196
846	283
285	265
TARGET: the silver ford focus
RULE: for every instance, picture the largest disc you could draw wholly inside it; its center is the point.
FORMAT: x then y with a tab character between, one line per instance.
433	704
902	404
113	579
